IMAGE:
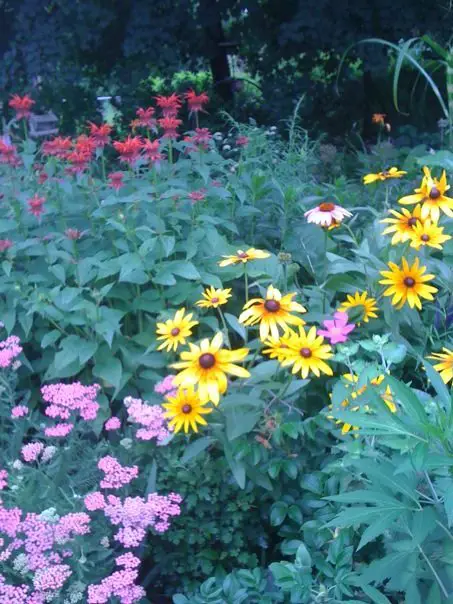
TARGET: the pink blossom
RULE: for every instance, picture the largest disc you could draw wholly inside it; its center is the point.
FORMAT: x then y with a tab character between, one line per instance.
337	329
165	385
10	594
151	151
112	423
73	234
19	411
242	141
35	205
151	417
145	117
5	244
120	584
70	525
195	196
9	350
327	214
67	399
116	180
3	479
51	578
116	475
59	430
94	501
31	451
128	560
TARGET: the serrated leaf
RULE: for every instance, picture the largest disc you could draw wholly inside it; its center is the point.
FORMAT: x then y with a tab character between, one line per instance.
378	527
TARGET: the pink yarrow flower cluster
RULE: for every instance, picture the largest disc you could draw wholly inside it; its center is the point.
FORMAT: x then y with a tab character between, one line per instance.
337	329
115	475
65	400
120	584
32	451
59	430
151	417
166	386
9	350
113	423
19	411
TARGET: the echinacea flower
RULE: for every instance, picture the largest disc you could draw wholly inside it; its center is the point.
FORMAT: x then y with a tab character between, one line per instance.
402	226
186	409
174	331
206	365
100	134
213	298
385	175
408	284
35	205
129	149
272	312
445	367
22	105
196	101
170	105
428	234
365	303
326	213
244	256
307	352
431	194
337	329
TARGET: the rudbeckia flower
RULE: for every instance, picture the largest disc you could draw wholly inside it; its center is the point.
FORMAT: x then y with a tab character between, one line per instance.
174	331
367	304
408	284
402	226
206	365
385	175
185	410
244	256
307	353
445	367
428	234
431	194
214	297
327	214
272	312
277	348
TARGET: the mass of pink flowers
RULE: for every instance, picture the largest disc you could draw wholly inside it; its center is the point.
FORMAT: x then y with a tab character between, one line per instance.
166	386
113	423
151	417
19	411
115	475
66	400
120	584
9	350
31	451
59	430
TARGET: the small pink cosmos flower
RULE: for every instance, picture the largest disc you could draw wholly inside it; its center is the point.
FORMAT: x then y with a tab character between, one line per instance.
337	329
327	213
197	195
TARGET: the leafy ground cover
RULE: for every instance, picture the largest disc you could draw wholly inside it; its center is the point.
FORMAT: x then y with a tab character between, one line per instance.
225	368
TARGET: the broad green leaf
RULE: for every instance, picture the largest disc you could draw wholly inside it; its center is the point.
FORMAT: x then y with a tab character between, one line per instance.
279	511
235	325
196	447
408	399
239	422
109	369
303	558
379	526
376	596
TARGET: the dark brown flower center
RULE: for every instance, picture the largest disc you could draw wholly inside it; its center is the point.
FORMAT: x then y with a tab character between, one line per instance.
175	331
434	193
186	409
243	255
305	352
424	237
207	360
214	300
272	305
412	222
409	282
326	207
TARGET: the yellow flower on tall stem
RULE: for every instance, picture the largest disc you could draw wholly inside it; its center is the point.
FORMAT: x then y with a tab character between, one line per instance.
428	234
445	367
206	365
272	312
277	348
368	179
174	331
361	301
402	226
408	284
186	410
307	353
213	298
431	194
242	256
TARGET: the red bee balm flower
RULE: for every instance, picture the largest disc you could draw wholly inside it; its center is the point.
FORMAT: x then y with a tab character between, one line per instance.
85	144
151	150
170	105
57	147
100	134
73	234
129	150
116	180
169	125
196	101
145	117
8	154
79	161
35	205
5	244
197	195
242	141
22	105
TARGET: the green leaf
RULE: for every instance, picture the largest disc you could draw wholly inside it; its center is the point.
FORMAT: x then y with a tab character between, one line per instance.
408	399
240	422
109	369
196	448
50	338
303	558
151	484
438	384
235	325
279	511
184	269
378	527
376	596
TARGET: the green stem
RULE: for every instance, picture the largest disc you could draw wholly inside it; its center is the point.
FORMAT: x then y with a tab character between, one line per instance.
222	318
246	282
170	152
324	295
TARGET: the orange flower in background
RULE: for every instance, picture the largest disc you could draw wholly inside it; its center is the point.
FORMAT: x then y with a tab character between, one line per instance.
22	105
378	118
